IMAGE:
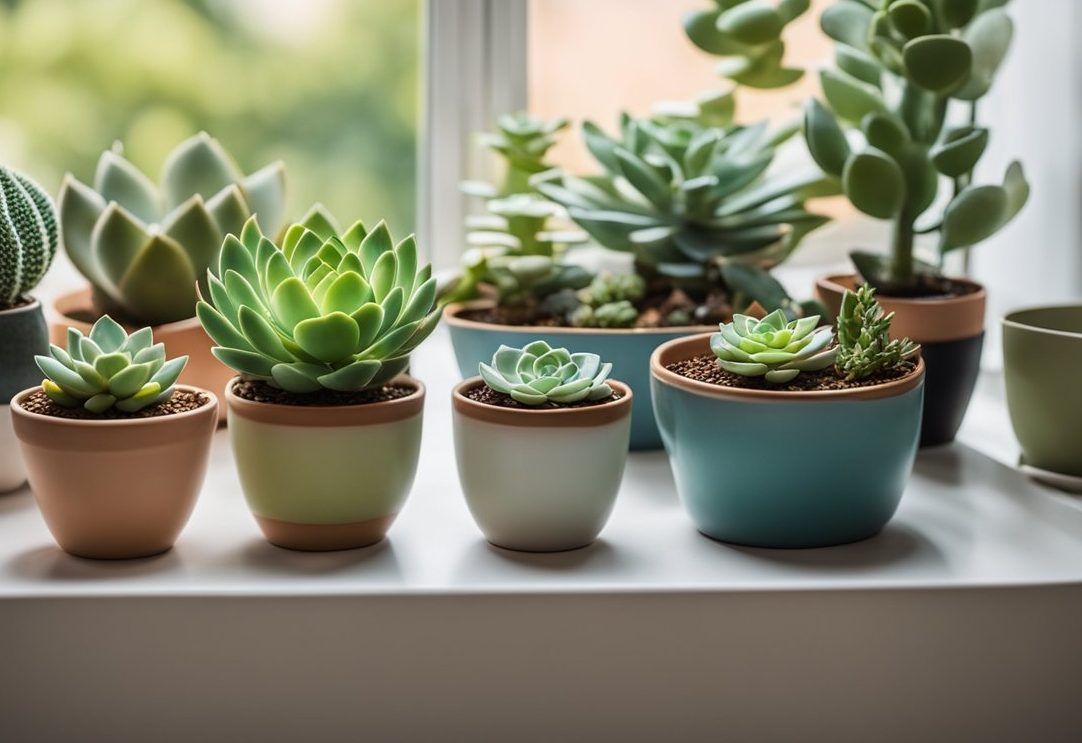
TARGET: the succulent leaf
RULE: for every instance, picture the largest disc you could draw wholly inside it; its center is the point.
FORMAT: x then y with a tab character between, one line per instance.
538	374
864	344
773	348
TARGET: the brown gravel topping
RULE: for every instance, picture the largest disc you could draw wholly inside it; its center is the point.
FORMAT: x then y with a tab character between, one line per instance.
182	401
256	391
704	368
484	394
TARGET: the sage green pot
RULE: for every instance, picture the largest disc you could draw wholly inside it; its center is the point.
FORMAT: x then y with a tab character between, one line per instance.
770	468
1042	368
330	477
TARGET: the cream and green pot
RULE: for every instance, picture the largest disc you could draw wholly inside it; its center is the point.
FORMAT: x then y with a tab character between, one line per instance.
326	477
541	480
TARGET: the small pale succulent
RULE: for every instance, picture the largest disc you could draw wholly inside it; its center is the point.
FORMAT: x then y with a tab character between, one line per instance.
773	348
144	249
109	369
621	314
341	313
28	235
537	374
864	344
613	287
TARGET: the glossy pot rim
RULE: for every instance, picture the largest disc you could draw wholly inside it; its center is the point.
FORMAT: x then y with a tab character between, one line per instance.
593	415
76	299
1013	320
385	411
33	304
684	348
211	408
452	310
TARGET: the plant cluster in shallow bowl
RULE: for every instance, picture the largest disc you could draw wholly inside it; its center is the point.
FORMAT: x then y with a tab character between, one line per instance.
840	416
541	404
115	449
325	428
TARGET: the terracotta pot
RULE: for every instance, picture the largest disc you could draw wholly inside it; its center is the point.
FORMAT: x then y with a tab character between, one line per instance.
112	489
582	451
23	335
950	331
183	338
774	468
628	349
321	478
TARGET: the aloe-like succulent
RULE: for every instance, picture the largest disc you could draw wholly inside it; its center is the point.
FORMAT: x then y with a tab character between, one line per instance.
693	202
144	249
773	348
109	369
28	235
747	34
537	374
899	66
341	313
864	344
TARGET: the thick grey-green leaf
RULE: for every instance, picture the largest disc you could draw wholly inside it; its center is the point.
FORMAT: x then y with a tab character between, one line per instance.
874	183
849	98
989	36
937	63
960	151
826	140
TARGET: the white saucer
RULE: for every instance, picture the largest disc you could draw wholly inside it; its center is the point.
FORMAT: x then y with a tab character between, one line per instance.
1070	483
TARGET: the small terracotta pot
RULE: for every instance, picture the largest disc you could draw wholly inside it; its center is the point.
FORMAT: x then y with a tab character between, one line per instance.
321	478
182	338
579	454
113	489
23	335
950	331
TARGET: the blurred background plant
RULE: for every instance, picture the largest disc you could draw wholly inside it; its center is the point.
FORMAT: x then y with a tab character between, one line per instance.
328	86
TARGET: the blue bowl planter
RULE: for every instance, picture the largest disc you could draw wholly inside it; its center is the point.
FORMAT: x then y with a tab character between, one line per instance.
628	349
769	468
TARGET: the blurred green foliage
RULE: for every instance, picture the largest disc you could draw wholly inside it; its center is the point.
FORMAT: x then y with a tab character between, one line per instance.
328	86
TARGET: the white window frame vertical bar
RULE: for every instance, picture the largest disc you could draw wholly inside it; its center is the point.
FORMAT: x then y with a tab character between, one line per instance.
475	70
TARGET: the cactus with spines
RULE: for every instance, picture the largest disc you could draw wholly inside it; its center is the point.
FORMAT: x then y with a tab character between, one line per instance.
28	235
885	133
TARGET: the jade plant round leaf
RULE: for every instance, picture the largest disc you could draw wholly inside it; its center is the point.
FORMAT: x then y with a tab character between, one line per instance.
910	17
826	140
938	63
874	183
960	150
537	374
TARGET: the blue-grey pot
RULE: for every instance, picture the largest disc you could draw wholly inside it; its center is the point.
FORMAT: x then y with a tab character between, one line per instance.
628	349
769	468
23	335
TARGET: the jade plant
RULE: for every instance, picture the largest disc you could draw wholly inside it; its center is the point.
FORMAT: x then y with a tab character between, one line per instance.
109	369
886	131
341	313
518	222
537	374
694	205
28	235
144	248
864	344
773	347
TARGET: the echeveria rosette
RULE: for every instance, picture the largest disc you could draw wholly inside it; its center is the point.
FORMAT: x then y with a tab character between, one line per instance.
773	348
537	374
28	235
341	313
109	369
864	344
144	249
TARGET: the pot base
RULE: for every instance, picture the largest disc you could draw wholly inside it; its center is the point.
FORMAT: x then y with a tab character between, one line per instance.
795	545
324	537
546	550
115	554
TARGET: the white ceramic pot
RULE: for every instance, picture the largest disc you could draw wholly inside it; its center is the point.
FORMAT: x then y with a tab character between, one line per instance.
541	480
12	470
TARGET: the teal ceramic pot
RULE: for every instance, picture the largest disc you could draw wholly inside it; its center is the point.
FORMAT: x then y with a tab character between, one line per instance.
768	468
1042	368
628	349
23	335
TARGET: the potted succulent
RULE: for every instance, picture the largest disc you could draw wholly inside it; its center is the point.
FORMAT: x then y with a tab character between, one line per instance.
842	418
691	205
886	134
28	244
325	431
116	450
145	249
541	404
1045	398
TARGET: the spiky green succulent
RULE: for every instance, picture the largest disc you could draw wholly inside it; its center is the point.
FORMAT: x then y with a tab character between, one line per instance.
28	235
694	202
773	348
864	344
109	369
899	66
341	313
144	249
537	374
748	35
